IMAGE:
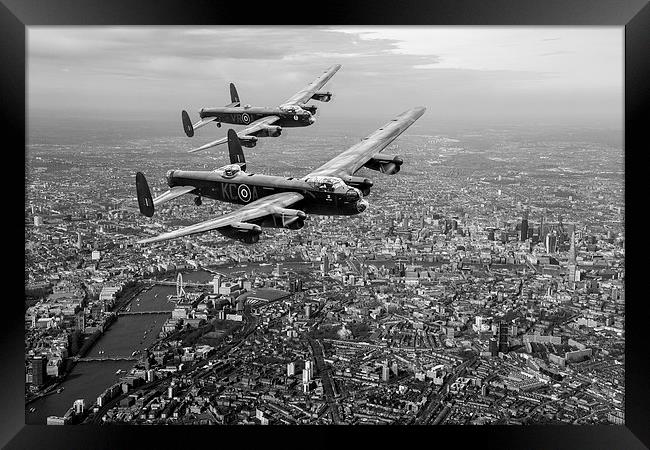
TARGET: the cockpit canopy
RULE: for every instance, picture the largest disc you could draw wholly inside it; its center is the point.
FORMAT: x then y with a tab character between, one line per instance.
230	170
291	108
327	184
295	109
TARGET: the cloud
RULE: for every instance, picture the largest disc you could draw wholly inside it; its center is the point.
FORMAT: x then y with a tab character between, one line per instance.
459	71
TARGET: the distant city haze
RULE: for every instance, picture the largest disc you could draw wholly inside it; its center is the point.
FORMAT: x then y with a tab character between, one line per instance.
465	76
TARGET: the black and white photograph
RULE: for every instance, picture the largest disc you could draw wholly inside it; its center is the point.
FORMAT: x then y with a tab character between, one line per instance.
291	225
318	227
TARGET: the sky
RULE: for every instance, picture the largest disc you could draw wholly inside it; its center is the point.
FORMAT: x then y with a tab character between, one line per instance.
463	75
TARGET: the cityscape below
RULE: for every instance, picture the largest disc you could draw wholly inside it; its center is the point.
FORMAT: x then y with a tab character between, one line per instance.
484	284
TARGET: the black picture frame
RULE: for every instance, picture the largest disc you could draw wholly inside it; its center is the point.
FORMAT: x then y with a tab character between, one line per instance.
16	15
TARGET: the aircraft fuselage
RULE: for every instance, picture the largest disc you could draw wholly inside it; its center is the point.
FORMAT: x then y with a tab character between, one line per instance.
243	188
240	115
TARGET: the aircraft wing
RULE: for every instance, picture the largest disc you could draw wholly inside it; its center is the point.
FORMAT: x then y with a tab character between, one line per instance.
252	128
305	94
272	204
354	158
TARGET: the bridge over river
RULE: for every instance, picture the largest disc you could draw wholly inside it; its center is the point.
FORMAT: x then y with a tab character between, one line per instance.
140	313
106	358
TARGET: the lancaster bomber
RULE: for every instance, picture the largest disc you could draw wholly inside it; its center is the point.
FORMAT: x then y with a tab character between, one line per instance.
279	202
262	121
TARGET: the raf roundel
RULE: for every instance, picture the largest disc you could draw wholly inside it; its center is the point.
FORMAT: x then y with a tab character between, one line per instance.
244	193
245	118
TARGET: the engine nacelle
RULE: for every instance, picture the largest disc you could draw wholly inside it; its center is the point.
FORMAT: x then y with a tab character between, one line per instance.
248	141
322	96
311	108
389	168
363	184
385	164
269	131
250	235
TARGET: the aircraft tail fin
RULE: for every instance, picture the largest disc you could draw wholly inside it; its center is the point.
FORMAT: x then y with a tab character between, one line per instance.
145	201
234	96
235	150
187	124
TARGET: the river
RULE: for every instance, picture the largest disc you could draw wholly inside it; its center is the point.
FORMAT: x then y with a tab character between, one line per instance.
127	334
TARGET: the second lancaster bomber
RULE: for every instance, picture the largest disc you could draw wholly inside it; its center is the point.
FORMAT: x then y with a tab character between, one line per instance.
279	202
262	121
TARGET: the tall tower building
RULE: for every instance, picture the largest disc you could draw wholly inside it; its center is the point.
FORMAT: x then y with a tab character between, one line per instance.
79	241
308	372
572	261
291	369
494	347
325	264
502	337
524	226
216	284
551	243
385	371
39	368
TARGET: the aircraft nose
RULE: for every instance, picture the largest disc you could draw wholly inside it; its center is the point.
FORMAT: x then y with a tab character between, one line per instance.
312	119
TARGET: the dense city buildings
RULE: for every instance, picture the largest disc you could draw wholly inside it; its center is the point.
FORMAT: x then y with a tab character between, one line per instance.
484	284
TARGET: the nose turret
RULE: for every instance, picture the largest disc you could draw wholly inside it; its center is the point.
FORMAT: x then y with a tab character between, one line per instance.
362	205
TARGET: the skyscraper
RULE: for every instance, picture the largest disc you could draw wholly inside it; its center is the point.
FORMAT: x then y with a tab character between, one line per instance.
308	372
494	347
39	373
385	371
324	265
572	267
551	243
524	226
502	337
